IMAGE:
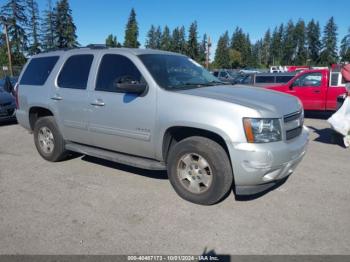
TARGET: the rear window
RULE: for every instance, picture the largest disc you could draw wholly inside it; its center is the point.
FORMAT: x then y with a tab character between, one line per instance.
264	79
283	79
38	70
75	72
334	79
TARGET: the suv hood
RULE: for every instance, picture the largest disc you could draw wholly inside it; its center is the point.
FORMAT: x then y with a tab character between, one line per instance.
261	99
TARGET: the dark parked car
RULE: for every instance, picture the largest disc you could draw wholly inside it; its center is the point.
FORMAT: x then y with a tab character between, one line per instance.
7	100
263	79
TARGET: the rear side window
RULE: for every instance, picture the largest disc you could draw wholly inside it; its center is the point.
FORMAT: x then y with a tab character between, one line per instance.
115	69
38	70
75	72
264	79
283	79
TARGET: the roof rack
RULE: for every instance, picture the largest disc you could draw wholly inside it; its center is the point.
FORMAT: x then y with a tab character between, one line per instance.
97	46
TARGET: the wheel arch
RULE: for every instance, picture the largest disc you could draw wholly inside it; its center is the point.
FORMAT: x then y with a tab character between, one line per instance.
36	112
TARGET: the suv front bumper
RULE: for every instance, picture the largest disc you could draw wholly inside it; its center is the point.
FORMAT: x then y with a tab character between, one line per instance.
258	167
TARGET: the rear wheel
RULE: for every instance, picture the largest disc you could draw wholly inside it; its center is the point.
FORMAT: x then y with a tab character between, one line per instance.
48	140
199	170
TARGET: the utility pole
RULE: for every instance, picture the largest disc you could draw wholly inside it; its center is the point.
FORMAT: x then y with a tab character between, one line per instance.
4	21
207	53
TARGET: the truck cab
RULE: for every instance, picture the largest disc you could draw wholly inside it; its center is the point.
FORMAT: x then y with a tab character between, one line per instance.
317	89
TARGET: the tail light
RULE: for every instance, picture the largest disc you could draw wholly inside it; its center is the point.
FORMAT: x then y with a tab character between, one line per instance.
16	91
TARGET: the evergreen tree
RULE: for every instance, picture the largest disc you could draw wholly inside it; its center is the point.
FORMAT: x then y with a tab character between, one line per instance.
192	42
165	41
257	53
48	28
111	41
266	46
158	37
222	52
34	47
313	41
329	43
178	41
276	45
240	43
300	41
288	43
345	48
131	31
202	57
64	32
15	13
151	38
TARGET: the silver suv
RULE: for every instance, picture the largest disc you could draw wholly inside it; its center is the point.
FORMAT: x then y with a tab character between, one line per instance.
161	111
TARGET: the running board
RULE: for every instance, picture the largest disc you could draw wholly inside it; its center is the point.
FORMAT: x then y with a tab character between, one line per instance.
135	161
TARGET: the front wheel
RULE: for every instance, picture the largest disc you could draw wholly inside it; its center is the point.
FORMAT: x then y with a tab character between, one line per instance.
199	170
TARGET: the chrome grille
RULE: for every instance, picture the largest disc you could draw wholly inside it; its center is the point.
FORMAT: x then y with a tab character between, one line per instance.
293	124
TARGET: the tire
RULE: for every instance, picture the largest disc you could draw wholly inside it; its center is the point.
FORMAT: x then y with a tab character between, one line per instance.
203	157
48	139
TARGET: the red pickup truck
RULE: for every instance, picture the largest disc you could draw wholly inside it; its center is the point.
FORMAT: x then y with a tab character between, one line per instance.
317	89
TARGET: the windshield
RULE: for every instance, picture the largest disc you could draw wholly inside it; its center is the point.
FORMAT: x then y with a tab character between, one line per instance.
177	72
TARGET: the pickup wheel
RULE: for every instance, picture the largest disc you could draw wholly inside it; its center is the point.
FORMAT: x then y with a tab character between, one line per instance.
199	170
48	139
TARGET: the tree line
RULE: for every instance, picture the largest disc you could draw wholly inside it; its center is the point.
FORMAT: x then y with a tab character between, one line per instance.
287	44
31	33
301	44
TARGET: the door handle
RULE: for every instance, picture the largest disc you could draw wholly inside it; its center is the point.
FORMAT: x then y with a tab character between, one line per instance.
97	102
57	98
316	91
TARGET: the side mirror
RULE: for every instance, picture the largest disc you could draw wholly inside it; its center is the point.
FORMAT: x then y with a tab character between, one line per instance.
131	87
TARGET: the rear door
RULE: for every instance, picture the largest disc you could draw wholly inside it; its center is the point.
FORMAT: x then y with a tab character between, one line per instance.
309	88
70	97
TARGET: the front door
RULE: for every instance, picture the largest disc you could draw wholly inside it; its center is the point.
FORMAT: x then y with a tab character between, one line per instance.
122	122
308	88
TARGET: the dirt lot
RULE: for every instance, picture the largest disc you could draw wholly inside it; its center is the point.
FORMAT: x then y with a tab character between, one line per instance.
88	206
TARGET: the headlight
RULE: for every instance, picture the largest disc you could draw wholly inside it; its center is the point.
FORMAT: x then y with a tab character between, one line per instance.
262	130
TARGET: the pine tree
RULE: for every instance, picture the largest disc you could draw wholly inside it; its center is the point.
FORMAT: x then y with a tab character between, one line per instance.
345	48
34	47
266	55
257	53
202	56
329	43
300	41
64	32
48	28
111	41
151	38
288	43
240	43
131	31
182	40
313	41
222	52
15	12
276	45
165	40
192	42
158	37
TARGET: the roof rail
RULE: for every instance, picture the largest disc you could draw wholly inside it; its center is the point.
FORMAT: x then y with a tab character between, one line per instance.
97	46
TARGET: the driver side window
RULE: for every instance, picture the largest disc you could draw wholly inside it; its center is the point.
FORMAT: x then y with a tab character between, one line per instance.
116	69
308	80
223	74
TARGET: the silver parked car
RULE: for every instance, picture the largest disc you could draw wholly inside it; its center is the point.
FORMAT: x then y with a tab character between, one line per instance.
162	111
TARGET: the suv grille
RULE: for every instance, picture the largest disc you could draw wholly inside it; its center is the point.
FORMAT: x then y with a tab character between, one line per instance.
293	124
